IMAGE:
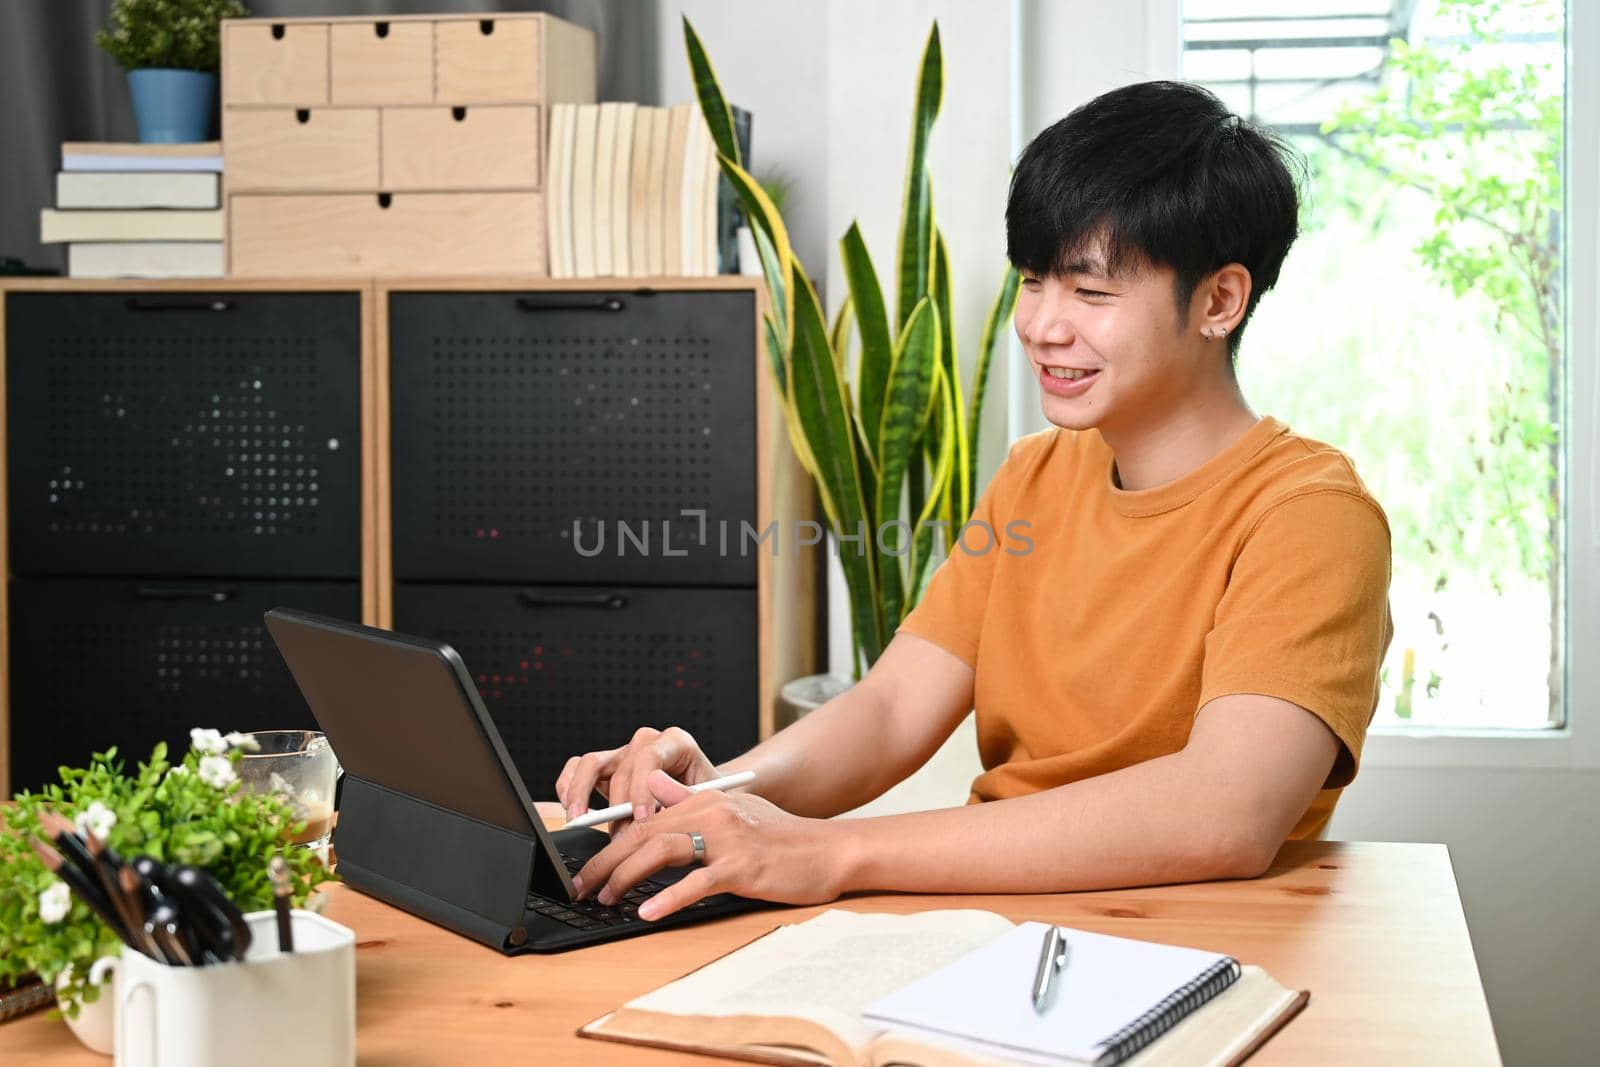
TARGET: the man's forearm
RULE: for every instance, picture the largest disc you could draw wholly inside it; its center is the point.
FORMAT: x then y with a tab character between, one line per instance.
1162	821
836	758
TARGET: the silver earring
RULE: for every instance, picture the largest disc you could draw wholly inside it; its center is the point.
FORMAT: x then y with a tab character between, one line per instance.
1206	332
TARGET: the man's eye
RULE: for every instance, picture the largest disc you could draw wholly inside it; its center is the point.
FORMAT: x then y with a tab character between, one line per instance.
1096	293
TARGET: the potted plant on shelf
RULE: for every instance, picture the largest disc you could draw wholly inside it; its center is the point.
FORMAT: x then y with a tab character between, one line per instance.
171	50
192	812
894	454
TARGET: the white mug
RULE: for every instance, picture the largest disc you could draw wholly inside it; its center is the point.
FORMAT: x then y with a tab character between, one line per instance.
271	1008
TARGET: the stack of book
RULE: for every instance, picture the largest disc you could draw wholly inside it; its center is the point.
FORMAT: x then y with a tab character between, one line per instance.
138	210
635	191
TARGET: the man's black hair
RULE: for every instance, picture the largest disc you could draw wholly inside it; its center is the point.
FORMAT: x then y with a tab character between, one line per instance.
1158	173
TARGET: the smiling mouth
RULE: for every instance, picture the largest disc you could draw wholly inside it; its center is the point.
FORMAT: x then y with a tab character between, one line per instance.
1069	374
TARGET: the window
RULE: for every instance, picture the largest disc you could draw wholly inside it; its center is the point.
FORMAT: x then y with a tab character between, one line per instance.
1418	322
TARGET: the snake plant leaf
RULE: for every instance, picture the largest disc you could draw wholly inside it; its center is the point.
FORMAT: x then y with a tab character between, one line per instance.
960	489
922	546
719	119
839	334
905	414
791	420
772	244
872	323
823	408
915	252
1000	312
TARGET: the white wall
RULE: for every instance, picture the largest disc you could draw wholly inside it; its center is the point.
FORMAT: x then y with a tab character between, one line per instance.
830	84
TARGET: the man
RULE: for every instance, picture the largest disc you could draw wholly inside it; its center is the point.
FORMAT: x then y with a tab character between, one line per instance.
1178	675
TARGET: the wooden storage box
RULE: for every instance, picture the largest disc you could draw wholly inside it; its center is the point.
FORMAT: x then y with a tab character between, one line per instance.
400	234
281	63
377	61
404	145
323	148
462	148
506	58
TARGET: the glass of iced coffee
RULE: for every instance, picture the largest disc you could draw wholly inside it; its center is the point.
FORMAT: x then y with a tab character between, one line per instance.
299	766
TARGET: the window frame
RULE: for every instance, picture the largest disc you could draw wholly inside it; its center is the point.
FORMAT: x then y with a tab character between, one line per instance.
1575	745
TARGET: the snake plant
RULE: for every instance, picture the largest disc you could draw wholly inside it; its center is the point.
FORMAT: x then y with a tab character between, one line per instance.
894	457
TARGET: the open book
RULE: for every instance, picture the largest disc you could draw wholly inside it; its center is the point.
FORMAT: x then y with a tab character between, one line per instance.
850	988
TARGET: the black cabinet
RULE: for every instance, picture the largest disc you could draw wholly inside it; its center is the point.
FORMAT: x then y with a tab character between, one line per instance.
179	460
106	661
184	433
573	473
562	437
564	669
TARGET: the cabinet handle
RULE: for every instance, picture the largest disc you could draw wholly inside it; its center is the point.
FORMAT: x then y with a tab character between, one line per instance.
216	595
552	598
567	303
137	303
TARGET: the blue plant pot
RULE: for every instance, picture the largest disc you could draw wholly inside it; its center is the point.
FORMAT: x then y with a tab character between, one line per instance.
173	105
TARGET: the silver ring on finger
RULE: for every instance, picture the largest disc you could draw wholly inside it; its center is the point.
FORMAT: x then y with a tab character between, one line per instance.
699	844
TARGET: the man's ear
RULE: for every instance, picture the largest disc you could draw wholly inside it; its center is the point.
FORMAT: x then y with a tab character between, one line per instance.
1220	300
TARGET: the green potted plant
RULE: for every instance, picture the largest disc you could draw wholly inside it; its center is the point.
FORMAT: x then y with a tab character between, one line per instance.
171	50
894	454
189	812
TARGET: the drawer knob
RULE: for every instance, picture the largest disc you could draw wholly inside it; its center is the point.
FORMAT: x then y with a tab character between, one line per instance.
486	26
277	31
381	29
302	115
458	113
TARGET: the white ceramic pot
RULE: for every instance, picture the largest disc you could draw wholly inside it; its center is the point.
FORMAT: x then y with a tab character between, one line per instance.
805	695
95	1025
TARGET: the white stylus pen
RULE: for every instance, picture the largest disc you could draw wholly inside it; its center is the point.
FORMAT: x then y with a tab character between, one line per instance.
623	811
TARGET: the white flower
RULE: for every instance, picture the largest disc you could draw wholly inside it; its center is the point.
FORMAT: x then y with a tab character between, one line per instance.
55	902
97	819
217	772
207	742
178	769
244	741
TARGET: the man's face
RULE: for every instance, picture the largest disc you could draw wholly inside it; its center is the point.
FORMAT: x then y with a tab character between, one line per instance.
1124	331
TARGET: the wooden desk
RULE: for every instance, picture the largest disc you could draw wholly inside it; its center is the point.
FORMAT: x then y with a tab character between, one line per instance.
1375	931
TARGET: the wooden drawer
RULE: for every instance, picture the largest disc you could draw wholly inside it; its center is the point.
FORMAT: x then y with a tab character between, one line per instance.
487	60
382	62
274	62
461	148
353	234
304	148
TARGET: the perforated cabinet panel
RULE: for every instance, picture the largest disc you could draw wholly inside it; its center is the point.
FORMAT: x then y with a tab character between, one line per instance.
98	662
530	426
210	433
565	670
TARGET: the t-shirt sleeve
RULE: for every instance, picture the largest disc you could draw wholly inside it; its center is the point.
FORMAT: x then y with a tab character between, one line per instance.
1305	616
950	613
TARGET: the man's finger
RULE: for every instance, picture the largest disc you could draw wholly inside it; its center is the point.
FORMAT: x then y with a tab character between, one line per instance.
696	885
658	852
666	790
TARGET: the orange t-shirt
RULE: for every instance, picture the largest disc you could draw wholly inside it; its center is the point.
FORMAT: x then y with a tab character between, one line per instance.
1098	620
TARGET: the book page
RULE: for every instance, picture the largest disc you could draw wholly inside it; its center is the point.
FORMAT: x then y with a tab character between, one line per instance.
828	968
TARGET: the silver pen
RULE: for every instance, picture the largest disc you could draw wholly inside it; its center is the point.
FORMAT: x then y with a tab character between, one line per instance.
1052	959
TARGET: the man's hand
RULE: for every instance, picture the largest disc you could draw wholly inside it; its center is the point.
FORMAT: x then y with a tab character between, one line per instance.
752	848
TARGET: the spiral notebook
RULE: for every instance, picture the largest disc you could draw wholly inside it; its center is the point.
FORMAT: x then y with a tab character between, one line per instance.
952	989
